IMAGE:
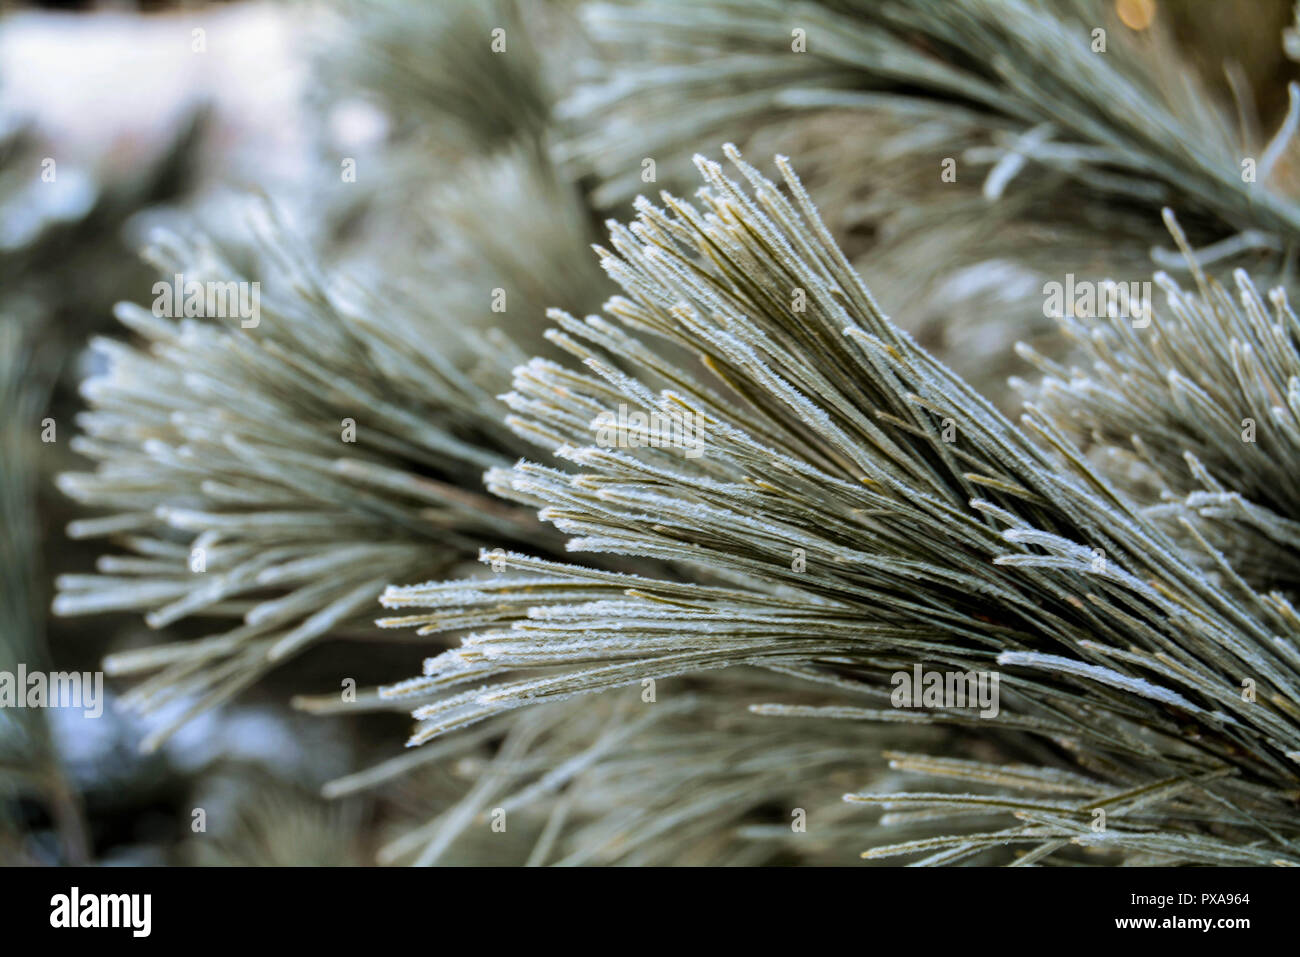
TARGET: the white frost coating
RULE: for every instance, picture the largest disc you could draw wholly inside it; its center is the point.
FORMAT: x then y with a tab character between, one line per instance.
1138	686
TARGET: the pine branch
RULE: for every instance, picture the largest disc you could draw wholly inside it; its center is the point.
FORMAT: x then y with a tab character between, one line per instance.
277	475
977	553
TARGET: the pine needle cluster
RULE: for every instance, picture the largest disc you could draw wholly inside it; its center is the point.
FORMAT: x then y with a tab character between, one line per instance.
1001	547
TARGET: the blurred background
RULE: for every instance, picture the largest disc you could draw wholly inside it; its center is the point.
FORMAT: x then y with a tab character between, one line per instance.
120	122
